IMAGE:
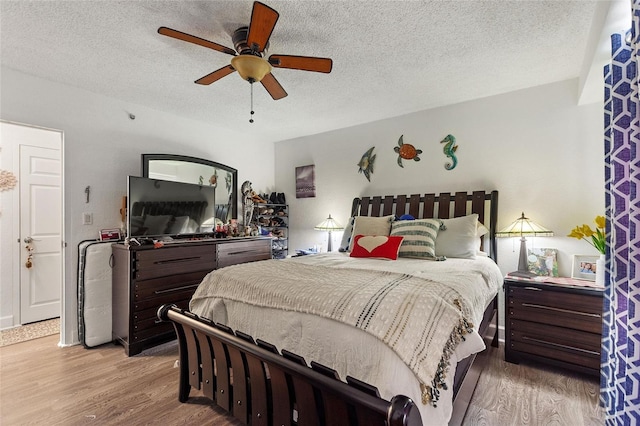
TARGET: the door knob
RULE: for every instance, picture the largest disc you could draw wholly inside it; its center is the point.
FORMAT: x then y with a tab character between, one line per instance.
28	240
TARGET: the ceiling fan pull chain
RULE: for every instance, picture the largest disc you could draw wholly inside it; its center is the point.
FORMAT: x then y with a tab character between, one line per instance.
251	116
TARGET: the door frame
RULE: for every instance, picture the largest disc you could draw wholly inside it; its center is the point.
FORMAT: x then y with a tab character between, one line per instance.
11	160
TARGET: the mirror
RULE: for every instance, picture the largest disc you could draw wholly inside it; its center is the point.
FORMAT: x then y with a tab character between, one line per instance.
180	168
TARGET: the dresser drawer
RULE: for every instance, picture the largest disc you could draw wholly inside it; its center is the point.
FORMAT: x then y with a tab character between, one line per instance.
174	260
173	284
243	251
146	323
571	310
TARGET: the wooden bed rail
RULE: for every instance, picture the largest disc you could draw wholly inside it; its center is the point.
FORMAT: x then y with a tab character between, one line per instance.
259	386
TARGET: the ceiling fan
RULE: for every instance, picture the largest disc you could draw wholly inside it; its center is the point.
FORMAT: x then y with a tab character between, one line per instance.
250	44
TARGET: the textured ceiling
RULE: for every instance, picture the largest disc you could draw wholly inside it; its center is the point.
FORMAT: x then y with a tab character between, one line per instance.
390	57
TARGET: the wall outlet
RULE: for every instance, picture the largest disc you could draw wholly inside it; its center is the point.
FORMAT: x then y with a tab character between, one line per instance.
87	218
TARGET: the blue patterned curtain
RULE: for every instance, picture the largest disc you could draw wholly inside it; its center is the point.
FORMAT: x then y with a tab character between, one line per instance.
620	369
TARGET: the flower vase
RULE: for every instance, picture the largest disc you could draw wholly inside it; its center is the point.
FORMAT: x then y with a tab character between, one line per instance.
600	265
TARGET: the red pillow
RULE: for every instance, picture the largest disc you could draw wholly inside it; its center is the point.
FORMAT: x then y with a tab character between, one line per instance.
386	247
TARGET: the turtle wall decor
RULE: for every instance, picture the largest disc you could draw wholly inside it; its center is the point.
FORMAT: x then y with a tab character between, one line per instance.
406	151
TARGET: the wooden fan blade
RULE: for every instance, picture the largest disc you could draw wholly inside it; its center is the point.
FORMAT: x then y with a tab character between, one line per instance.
273	87
263	20
195	40
216	75
305	63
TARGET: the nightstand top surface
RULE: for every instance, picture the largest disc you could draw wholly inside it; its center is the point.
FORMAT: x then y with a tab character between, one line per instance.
557	281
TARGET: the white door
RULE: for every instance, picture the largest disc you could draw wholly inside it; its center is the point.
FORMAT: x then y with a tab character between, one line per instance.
31	210
41	232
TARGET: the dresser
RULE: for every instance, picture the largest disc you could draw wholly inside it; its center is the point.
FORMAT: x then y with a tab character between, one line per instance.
552	323
144	278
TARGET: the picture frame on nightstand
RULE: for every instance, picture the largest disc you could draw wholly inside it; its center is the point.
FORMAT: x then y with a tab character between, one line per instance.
543	262
584	267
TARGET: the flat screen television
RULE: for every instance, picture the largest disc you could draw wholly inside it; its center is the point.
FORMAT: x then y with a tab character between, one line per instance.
159	208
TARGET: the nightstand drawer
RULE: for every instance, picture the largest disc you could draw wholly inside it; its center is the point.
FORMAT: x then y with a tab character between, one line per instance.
576	311
559	343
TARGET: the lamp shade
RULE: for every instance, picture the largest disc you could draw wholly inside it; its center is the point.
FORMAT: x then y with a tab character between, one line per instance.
329	224
524	227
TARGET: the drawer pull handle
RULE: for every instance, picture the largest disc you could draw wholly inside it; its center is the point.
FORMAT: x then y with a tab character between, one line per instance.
183	259
567	311
234	253
171	290
559	345
533	288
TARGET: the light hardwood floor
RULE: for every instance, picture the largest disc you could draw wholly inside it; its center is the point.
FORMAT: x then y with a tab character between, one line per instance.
41	384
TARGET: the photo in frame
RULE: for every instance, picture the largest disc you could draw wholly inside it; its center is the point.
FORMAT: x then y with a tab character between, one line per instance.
584	267
305	181
543	262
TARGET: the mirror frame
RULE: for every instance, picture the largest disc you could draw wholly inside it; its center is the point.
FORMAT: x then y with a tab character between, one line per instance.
146	158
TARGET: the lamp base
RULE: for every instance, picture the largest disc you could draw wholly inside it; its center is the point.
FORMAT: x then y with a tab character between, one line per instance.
522	274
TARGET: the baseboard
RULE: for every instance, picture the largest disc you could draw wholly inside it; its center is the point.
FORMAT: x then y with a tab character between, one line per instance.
6	322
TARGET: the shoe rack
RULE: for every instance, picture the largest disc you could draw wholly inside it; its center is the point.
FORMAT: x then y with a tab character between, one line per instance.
272	218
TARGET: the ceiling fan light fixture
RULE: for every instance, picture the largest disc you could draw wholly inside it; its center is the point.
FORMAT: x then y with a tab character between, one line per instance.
251	68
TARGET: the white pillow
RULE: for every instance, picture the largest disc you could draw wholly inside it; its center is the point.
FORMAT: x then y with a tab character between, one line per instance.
367	225
179	225
459	237
156	225
419	237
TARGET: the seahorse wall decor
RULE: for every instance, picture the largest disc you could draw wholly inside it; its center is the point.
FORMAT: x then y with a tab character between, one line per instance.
449	149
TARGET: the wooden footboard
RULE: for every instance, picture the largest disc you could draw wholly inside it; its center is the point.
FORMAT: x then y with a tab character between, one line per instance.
259	386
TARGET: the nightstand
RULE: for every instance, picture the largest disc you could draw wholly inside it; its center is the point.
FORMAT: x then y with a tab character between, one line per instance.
558	323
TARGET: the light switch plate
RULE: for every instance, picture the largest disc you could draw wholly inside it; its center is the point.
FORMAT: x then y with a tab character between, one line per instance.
87	218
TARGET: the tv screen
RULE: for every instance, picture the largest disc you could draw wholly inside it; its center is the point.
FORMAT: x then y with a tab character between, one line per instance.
159	208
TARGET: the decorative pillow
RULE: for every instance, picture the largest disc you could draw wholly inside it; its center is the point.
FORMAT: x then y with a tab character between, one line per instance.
459	237
419	237
179	225
346	236
385	247
366	225
406	217
156	225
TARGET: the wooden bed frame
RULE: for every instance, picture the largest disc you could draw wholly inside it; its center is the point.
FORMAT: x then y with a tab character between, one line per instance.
259	386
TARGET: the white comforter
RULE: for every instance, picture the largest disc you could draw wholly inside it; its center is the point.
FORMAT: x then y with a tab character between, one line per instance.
353	351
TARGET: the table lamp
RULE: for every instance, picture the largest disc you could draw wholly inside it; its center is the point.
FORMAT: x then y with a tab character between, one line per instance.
329	225
524	227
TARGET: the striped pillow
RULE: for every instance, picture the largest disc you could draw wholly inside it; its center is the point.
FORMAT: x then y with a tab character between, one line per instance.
419	237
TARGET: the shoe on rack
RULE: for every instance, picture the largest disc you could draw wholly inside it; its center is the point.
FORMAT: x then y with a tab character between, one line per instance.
273	198
281	198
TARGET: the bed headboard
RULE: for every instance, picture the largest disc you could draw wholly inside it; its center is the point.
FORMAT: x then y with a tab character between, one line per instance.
443	206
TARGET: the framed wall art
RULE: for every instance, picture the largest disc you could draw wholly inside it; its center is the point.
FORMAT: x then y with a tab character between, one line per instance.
305	181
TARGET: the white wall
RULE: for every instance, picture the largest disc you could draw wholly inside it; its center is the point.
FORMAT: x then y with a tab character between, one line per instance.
102	146
542	152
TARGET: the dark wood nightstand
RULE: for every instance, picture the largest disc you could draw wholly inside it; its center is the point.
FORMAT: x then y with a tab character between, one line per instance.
558	323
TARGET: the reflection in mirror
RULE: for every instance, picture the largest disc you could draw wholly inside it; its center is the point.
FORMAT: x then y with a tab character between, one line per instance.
180	168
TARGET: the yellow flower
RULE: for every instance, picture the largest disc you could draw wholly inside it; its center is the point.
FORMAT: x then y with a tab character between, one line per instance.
575	233
587	231
596	238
